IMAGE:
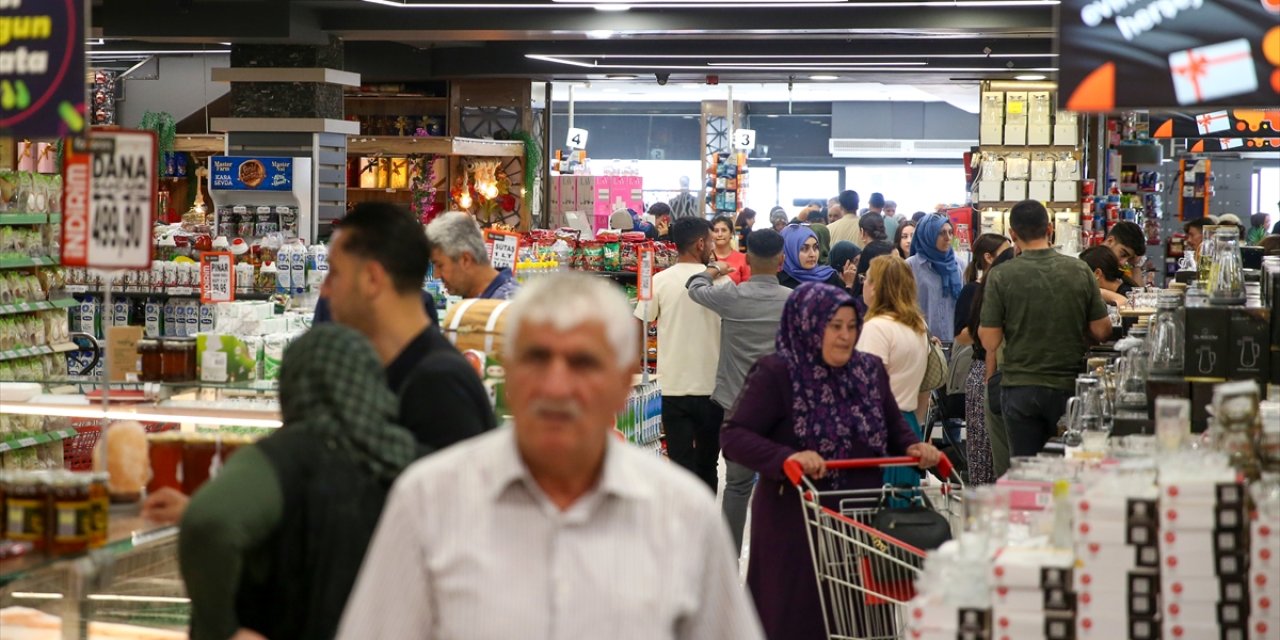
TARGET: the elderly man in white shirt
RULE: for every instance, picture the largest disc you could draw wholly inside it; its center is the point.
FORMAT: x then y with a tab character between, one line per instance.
553	528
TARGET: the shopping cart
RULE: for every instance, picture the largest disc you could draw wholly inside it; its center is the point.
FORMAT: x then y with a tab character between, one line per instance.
865	576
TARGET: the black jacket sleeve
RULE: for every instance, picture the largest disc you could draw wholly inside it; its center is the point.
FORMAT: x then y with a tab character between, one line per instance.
443	402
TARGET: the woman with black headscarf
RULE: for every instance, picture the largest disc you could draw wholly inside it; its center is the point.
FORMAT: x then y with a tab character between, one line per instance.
274	543
844	261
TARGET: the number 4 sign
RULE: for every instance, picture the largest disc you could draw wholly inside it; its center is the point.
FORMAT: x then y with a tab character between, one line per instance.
577	139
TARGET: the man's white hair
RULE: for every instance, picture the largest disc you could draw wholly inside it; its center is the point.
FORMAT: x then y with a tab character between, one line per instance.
456	233
569	300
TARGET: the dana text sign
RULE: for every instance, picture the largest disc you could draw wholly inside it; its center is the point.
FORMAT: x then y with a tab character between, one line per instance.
108	200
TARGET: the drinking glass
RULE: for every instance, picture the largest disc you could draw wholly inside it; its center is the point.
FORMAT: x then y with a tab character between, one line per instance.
1168	331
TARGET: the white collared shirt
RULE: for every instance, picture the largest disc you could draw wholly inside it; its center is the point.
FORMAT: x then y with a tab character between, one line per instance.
469	547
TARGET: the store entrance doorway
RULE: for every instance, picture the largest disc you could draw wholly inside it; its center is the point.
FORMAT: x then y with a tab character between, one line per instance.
806	185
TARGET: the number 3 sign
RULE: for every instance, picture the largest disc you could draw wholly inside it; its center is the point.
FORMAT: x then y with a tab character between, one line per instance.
744	139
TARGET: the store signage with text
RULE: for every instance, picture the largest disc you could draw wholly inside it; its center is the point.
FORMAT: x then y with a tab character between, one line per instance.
250	174
108	200
217	277
42	63
577	139
744	139
1258	124
644	288
1172	54
503	246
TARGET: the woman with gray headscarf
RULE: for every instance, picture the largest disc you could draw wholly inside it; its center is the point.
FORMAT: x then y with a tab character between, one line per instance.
272	545
778	218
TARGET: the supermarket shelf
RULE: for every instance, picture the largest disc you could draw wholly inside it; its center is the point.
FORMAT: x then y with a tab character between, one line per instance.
377	190
194	413
23	218
20	262
209	143
41	305
42	350
39	438
407	145
189	292
126	531
1010	203
1029	147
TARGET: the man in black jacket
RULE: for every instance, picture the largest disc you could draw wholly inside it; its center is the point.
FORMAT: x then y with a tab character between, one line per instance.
377	261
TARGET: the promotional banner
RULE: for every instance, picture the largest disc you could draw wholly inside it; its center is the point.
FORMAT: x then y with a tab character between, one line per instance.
42	87
503	247
1255	128
250	174
1174	54
109	200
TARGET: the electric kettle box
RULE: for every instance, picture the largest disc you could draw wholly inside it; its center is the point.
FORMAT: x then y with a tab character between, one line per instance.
1250	346
1207	342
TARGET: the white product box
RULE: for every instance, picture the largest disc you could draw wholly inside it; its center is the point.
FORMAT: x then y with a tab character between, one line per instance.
1092	557
1017	167
1187	629
989	190
1187	517
1101	627
1187	566
992	109
1042	169
1015	109
1066	191
1100	507
991	133
1105	603
1015	134
1017	625
1026	600
1189	589
1023	568
1015	190
1066	130
1040	133
1041	190
1039	109
1204	490
1105	531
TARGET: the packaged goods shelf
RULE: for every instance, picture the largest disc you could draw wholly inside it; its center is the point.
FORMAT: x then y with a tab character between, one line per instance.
23	261
41	350
32	440
40	305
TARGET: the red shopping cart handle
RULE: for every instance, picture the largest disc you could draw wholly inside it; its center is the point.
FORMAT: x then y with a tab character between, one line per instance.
795	472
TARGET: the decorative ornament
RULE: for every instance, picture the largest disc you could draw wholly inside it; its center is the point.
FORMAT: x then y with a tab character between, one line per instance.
422	184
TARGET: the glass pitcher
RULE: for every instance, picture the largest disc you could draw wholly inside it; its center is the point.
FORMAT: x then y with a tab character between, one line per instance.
1086	387
1132	387
1226	275
1168	331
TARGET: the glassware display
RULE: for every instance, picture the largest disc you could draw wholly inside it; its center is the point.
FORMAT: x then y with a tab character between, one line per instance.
1168	335
1226	275
1204	260
1131	389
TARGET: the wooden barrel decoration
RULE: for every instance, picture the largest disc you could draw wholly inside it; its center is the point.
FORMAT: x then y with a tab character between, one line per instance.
478	324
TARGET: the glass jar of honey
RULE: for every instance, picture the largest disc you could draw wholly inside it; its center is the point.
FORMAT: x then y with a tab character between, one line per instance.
70	513
198	455
152	360
178	359
165	451
99	504
26	507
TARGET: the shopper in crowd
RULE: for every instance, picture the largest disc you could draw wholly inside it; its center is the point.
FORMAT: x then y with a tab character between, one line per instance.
685	204
1275	230
746	222
801	259
461	259
875	204
1231	220
875	243
891	218
846	228
987	249
749	316
1257	228
778	219
844	261
724	251
920	215
815	399
273	544
937	273
992	418
377	263
553	527
824	240
896	332
1106	270
834	210
661	214
902	239
1270	245
688	344
1044	334
1129	243
1195	234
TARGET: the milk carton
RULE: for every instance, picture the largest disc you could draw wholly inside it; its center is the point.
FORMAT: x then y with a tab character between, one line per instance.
154	318
297	266
192	317
169	319
206	323
120	313
284	275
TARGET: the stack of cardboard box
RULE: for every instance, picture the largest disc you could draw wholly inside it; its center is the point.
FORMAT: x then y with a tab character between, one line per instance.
1117	563
1032	596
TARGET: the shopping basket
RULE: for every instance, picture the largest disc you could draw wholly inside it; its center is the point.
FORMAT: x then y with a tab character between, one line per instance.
865	576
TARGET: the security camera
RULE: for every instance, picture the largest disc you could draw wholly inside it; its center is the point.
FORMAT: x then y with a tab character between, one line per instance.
663	78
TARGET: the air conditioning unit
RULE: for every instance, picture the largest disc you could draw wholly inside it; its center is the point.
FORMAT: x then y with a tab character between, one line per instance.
879	148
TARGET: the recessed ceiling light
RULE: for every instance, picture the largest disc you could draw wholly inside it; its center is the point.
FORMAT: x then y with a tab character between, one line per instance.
772	115
824	78
1030	76
600	34
622	76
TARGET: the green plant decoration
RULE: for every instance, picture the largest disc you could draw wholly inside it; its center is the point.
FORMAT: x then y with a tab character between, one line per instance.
166	130
532	158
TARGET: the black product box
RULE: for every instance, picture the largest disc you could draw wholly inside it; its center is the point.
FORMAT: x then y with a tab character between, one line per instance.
1059	626
1250	353
1229	518
1144	629
1228	541
1141	534
1201	398
1208	337
975	621
1234	631
1232	614
1166	386
1055	578
1232	564
1139	511
1144	584
1059	600
1233	589
1147	555
1142	606
1230	494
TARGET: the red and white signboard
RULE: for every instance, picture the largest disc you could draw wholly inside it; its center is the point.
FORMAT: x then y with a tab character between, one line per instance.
109	200
217	277
503	247
645	278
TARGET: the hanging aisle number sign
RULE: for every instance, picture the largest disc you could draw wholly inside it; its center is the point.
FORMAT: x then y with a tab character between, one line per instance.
217	277
644	288
108	200
577	139
503	246
744	139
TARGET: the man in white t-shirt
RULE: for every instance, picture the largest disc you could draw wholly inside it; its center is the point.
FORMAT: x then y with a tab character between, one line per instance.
688	353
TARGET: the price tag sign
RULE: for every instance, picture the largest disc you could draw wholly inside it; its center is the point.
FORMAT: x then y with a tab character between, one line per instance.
645	276
744	139
109	200
577	139
502	246
217	277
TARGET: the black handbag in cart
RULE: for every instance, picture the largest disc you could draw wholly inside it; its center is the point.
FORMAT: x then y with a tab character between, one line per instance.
917	525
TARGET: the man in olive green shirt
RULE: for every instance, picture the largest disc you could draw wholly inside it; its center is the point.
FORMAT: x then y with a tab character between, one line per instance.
1043	307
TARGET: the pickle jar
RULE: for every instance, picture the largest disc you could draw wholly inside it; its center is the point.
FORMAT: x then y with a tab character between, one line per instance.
70	513
26	507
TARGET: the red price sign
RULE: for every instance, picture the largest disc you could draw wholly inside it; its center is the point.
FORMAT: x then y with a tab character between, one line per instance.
645	277
503	247
217	277
108	200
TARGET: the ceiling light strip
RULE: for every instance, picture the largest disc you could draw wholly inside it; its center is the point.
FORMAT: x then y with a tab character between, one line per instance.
758	67
766	56
704	4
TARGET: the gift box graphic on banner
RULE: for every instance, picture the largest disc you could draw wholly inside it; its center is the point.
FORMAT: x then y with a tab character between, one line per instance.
1214	71
1213	122
1231	143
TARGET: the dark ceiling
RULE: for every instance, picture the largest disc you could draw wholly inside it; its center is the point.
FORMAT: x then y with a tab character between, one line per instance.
899	41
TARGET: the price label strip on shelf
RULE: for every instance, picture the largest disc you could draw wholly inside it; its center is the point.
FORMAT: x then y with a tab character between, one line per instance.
109	195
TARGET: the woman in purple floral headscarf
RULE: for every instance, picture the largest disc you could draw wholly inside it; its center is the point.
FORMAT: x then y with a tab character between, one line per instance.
816	399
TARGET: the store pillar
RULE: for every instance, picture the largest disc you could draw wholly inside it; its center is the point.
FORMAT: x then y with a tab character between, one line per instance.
717	134
287	100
